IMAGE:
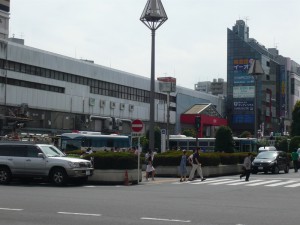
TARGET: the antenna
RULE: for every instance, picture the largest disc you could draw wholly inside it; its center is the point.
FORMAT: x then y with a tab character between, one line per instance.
275	44
246	19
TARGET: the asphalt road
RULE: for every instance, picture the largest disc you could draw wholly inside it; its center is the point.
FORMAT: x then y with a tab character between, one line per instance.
265	200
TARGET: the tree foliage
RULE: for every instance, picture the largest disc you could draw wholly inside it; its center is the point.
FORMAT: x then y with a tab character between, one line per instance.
189	132
246	134
224	140
295	127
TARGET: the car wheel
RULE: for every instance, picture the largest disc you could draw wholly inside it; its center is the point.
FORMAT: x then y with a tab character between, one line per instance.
5	175
287	168
275	170
59	177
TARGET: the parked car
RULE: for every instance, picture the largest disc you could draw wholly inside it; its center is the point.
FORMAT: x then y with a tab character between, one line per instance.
271	161
266	148
30	160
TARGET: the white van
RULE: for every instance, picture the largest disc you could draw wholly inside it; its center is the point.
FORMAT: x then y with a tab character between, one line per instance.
267	148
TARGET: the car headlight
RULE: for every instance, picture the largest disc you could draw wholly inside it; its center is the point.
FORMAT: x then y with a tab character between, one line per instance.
273	162
74	164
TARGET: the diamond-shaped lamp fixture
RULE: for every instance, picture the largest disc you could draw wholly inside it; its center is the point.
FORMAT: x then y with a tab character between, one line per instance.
256	68
154	14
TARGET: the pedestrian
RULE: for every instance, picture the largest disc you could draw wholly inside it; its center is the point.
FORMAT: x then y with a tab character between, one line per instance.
182	166
295	158
150	169
247	167
196	165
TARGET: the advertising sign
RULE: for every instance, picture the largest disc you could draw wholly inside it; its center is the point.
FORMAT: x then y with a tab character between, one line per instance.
241	64
243	105
242	78
243	118
243	91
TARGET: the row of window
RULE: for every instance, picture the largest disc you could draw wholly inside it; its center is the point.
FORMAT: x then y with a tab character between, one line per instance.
96	86
28	84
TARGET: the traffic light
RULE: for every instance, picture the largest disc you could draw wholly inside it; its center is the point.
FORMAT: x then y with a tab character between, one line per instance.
197	122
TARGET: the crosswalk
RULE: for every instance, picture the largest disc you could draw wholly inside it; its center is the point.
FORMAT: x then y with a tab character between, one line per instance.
288	183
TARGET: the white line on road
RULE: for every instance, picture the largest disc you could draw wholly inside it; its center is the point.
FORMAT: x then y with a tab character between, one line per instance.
80	214
208	181
168	220
225	182
263	182
293	185
245	182
9	209
281	183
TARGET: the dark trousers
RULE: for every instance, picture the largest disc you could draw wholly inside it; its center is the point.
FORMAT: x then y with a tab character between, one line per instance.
247	174
295	163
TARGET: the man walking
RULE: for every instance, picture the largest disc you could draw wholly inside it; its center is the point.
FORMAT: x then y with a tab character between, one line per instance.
196	165
247	167
295	158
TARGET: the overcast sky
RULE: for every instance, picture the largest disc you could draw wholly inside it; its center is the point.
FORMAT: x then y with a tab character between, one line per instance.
191	45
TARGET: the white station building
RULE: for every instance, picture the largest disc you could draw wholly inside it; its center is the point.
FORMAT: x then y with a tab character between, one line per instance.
47	93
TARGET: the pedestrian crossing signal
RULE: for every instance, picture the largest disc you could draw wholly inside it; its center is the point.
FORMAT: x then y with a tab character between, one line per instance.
197	122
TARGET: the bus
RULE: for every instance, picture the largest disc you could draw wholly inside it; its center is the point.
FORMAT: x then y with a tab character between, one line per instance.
208	144
83	140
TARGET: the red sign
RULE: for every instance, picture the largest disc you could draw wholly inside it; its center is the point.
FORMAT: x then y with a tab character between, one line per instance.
137	126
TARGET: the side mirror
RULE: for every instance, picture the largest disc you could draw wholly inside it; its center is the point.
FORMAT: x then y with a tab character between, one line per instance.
41	155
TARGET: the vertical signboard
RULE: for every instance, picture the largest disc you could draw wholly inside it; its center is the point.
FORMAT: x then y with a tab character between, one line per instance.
5	5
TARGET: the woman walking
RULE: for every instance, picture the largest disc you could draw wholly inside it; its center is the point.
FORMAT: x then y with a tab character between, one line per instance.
150	168
182	166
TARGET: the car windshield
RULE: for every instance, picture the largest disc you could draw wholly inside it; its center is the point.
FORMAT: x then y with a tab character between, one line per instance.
51	151
266	155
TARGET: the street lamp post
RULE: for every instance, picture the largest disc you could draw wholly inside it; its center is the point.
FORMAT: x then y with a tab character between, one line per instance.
153	17
255	70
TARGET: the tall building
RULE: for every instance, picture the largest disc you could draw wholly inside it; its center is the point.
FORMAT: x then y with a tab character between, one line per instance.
275	91
216	87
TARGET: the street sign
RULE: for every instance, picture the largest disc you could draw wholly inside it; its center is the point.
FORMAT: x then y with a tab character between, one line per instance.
137	126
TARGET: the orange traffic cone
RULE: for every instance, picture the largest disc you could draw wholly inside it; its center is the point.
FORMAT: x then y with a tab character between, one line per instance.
126	181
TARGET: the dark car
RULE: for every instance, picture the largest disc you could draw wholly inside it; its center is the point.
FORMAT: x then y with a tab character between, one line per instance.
271	161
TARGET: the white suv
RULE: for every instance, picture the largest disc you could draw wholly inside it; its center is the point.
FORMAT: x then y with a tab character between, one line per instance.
30	160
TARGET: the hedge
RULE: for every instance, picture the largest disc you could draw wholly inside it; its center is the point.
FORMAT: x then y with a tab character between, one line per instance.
125	160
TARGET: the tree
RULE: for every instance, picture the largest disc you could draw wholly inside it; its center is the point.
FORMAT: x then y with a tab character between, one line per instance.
245	134
224	140
189	132
295	127
157	140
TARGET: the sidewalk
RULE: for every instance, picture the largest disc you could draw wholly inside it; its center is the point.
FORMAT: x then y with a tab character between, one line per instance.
157	180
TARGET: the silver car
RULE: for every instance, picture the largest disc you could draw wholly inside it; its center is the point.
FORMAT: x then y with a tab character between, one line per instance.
30	160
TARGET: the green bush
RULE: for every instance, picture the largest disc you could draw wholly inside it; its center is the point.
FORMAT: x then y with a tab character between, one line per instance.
229	158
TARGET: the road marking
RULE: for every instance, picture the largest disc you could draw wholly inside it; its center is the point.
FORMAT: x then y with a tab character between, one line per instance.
195	181
225	182
9	209
263	182
293	185
245	182
80	214
281	183
209	181
168	220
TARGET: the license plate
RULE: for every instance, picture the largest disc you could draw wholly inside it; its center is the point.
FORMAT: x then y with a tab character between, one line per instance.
260	168
88	172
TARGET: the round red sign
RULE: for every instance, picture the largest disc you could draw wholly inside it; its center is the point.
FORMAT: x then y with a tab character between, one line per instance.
137	126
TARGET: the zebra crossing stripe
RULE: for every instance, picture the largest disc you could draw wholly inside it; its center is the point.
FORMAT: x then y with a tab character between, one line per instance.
225	182
244	182
263	182
293	185
209	181
281	183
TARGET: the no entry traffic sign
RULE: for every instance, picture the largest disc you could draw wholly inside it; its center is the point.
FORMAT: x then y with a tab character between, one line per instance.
137	126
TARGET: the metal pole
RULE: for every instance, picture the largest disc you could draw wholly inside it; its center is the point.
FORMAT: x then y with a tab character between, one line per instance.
152	93
255	107
168	119
139	158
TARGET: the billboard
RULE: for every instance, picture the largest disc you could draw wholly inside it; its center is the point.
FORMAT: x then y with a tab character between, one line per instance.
243	106
243	91
167	84
243	118
4	5
242	79
242	64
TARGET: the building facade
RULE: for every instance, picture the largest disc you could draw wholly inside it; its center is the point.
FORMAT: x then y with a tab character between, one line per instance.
273	91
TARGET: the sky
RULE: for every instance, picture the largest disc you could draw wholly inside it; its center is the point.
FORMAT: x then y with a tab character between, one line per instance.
190	46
